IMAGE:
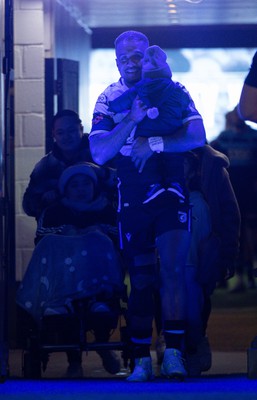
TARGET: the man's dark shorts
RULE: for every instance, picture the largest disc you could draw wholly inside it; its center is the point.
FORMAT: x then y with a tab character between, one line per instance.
141	224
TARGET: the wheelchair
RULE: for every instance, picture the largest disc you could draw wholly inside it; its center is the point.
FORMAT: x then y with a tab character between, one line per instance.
74	332
63	299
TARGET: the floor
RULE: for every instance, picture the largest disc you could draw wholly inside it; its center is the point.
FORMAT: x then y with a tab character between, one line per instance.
232	326
227	379
223	363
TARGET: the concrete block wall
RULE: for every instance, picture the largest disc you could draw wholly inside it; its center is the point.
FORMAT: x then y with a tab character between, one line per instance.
29	114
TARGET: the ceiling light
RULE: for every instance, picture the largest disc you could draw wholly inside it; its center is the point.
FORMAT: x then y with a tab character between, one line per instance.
194	1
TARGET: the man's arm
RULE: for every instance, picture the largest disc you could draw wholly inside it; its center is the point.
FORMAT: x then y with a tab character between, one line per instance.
190	136
105	146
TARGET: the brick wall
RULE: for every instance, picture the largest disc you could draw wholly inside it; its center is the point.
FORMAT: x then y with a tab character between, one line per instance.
29	114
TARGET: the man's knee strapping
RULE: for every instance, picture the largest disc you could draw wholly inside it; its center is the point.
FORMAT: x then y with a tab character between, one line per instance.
143	277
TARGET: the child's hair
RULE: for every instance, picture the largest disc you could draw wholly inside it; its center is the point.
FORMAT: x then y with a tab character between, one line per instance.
77	169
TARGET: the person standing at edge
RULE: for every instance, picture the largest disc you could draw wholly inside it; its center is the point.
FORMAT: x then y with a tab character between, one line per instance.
162	223
247	107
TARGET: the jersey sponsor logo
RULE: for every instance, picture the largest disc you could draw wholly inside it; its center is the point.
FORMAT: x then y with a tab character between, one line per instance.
182	217
128	236
102	99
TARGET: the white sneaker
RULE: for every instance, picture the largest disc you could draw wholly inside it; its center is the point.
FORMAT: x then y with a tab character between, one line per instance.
173	365
142	371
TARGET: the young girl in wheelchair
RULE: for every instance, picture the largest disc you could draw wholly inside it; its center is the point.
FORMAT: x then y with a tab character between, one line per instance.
76	259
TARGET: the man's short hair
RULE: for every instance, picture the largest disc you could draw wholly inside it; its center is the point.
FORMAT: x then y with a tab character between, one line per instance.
66	113
131	35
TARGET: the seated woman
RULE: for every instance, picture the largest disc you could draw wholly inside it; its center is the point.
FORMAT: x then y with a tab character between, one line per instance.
75	256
